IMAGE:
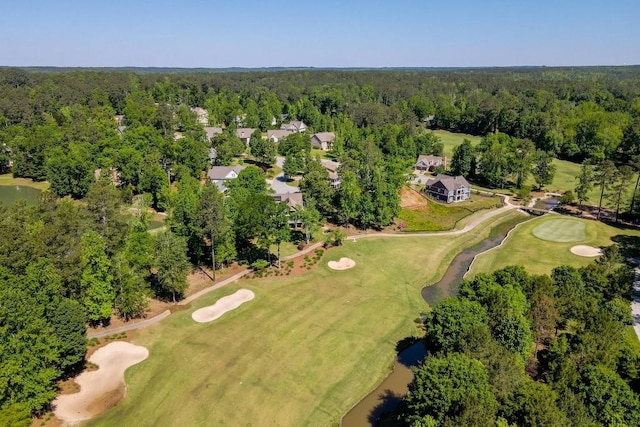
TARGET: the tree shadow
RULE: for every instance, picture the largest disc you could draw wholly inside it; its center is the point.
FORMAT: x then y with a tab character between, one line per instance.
629	245
389	401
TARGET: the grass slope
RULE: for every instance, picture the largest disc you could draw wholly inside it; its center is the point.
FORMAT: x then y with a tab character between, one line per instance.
452	140
301	353
435	216
540	256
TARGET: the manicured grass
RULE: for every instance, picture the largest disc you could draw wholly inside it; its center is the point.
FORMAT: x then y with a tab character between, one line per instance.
319	153
561	230
452	140
439	216
8	179
301	353
540	256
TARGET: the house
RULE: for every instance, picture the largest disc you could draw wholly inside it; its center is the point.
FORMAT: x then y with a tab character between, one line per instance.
292	200
277	134
119	119
323	140
332	168
447	188
212	131
219	175
244	134
429	163
203	115
295	126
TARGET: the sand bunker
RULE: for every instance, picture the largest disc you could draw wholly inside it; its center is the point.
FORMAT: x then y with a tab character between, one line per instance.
224	304
343	264
112	360
588	251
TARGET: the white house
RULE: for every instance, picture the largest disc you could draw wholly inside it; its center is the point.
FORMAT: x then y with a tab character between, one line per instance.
244	134
323	140
294	126
219	175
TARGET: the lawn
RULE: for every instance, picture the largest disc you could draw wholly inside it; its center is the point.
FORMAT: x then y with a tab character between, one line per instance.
541	256
434	216
452	140
8	179
301	353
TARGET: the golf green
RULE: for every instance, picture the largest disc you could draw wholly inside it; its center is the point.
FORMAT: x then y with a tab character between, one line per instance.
561	230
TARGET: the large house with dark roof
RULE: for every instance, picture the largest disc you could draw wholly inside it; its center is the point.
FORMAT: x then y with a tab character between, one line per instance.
448	189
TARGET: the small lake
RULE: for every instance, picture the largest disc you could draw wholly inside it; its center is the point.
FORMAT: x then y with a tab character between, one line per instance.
12	193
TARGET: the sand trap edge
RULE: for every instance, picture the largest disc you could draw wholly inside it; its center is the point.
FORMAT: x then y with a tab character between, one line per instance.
222	306
342	264
586	251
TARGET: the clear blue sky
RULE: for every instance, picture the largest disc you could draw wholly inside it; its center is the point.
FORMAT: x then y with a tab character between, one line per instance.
330	33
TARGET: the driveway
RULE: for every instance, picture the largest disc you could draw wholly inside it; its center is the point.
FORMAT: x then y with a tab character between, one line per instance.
279	183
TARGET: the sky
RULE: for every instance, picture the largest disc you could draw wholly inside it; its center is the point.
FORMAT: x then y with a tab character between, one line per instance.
329	33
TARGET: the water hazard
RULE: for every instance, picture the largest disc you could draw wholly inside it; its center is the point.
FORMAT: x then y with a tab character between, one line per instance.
387	396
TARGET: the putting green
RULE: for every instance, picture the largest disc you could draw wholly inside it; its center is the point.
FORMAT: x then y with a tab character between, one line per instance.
561	230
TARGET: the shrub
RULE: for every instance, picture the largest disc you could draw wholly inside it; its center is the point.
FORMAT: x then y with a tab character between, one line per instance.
260	264
568	197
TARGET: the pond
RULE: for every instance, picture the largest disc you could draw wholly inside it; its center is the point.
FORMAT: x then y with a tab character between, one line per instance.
386	397
12	193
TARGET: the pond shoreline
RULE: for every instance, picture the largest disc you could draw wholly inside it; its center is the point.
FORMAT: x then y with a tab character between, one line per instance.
388	394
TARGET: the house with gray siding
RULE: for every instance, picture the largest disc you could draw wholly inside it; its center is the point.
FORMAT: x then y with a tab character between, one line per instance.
448	189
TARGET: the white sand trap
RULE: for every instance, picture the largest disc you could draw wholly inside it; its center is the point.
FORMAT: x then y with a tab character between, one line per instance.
584	250
343	264
224	304
112	360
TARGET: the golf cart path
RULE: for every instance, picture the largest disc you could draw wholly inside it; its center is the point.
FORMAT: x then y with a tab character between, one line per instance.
635	302
468	227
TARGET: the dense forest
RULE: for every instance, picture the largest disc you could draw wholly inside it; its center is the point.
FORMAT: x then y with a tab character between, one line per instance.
483	368
83	253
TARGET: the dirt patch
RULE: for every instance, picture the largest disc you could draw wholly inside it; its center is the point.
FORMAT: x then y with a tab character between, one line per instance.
222	306
103	388
343	264
411	198
586	251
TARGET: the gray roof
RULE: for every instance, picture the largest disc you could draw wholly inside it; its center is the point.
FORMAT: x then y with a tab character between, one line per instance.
278	133
220	173
325	136
244	132
292	200
450	183
212	131
330	165
429	159
295	125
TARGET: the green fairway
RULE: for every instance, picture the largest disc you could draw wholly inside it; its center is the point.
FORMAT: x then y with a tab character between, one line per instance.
8	179
561	230
302	352
541	256
452	140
